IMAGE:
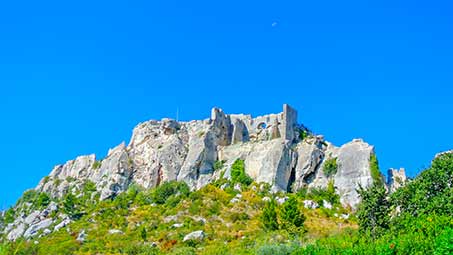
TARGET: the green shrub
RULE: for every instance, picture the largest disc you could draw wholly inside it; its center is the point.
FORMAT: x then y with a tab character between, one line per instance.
429	191
29	196
89	187
374	211
269	217
375	172
57	182
277	249
185	250
143	234
71	206
328	194
330	167
162	192
444	243
136	249
9	216
43	200
303	134
291	216
238	174
239	216
70	179
97	164
218	164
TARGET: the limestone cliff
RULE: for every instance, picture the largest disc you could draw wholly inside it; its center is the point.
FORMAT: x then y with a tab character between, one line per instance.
275	149
270	145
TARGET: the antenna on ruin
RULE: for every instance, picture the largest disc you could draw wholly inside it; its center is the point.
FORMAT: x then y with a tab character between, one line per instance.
177	113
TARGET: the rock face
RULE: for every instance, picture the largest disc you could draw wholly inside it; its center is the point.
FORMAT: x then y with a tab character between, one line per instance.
396	179
196	235
166	150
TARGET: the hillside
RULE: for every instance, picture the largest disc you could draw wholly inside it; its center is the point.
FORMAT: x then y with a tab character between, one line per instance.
231	184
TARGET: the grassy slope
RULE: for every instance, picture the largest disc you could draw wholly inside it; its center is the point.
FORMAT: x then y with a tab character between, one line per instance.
231	228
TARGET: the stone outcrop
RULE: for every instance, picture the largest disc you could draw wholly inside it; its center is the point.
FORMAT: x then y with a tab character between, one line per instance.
196	235
166	150
396	179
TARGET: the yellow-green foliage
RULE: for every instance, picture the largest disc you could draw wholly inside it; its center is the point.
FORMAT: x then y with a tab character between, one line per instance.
330	167
231	227
238	174
97	164
423	226
375	172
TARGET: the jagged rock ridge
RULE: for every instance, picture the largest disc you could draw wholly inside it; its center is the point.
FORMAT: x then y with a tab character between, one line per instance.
159	151
168	150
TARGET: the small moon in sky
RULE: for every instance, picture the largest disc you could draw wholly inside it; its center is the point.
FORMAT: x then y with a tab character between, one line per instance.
274	24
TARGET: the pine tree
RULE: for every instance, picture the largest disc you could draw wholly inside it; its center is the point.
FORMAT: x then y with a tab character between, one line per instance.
291	217
374	212
269	217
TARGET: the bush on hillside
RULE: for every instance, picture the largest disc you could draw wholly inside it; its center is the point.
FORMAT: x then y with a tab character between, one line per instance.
167	189
43	200
269	217
375	172
238	174
291	216
374	211
330	167
430	192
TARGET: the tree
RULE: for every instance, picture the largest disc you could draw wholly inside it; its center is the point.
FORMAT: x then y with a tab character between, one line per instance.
167	189
70	206
291	217
238	174
330	167
430	192
269	217
43	200
373	213
375	172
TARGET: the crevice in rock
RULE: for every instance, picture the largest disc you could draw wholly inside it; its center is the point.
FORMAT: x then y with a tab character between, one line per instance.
159	175
307	179
292	179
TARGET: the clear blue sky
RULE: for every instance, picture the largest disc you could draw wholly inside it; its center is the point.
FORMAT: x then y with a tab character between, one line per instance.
77	77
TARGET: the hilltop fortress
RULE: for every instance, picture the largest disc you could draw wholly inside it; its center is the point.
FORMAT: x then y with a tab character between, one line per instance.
275	150
271	147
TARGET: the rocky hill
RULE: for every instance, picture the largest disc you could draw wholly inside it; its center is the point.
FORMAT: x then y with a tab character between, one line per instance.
274	149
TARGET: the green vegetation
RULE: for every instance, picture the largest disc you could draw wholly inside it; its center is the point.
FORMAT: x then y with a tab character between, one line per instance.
71	206
9	216
269	218
97	164
319	195
330	167
291	216
43	200
218	164
46	179
374	211
417	219
375	172
168	190
303	134
148	216
238	174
